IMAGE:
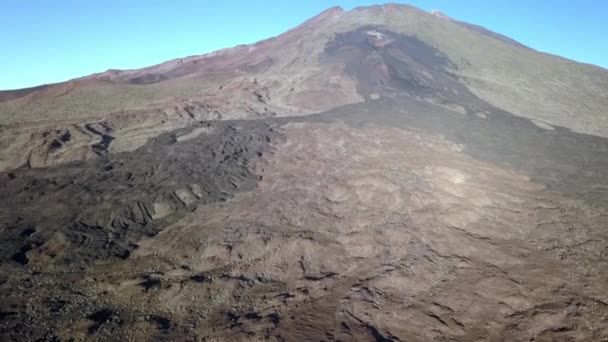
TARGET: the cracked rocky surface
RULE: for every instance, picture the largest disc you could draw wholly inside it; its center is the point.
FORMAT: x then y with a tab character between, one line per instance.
353	232
222	209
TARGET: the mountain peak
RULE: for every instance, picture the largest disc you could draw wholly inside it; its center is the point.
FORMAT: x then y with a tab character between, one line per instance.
327	14
332	10
440	14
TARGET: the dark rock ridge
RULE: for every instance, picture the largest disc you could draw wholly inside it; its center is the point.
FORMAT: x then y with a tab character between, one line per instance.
386	63
98	210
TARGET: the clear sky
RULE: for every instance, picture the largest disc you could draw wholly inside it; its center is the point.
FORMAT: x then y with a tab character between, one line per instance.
46	41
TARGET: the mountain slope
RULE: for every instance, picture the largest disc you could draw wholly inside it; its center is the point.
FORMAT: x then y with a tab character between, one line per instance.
380	174
526	82
509	76
289	75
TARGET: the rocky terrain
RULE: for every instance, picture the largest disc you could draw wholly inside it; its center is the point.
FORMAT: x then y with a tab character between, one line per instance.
379	174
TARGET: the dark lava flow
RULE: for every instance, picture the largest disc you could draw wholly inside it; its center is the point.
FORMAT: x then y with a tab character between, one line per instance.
392	64
98	210
413	77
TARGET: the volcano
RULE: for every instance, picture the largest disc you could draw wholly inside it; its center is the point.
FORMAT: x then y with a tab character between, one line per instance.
377	174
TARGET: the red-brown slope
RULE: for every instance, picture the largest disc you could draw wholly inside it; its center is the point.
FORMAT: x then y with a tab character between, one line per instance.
8	95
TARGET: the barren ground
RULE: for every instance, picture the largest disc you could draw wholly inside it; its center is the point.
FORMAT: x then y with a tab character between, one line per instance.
336	226
202	200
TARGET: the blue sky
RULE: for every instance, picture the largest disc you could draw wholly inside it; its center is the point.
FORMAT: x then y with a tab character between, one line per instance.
48	41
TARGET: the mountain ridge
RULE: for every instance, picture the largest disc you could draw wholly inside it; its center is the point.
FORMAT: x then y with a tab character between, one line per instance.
378	174
290	75
328	12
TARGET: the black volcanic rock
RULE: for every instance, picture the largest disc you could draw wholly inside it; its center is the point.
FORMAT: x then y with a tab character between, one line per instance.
372	175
